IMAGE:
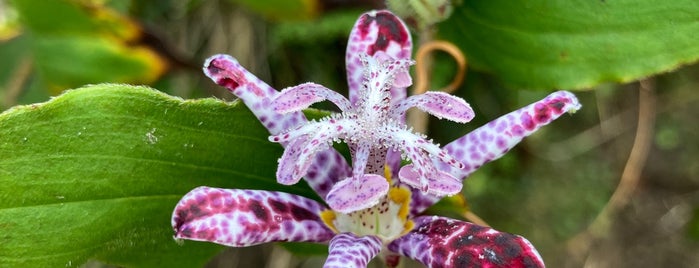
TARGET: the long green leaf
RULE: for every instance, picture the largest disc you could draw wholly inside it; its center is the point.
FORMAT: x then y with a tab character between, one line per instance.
96	172
544	44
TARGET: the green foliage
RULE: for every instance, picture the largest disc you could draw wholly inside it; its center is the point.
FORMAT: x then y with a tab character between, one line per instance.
96	172
545	44
86	44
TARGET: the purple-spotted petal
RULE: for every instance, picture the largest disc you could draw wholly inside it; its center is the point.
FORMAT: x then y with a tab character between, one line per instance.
439	104
394	161
416	147
248	217
423	174
438	184
442	242
225	71
357	193
291	167
302	96
305	143
328	167
348	250
376	31
494	139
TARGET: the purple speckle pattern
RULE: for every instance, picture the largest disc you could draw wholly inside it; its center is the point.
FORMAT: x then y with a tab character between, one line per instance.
438	183
376	32
302	96
442	242
496	138
241	218
439	104
348	250
327	167
357	193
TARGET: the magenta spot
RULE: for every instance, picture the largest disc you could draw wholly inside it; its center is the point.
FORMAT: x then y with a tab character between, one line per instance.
527	121
542	113
311	174
459	154
517	130
475	156
301	214
558	105
256	90
461	141
390	29
324	187
501	126
228	83
213	69
278	207
259	210
501	143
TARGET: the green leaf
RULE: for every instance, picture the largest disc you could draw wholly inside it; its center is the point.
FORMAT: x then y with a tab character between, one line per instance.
543	44
72	17
75	43
96	172
67	61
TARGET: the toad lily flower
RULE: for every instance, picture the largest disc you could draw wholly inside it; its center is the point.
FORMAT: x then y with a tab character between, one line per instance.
369	211
371	122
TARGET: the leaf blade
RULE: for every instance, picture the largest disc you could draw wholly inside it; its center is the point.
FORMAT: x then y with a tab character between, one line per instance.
96	172
574	44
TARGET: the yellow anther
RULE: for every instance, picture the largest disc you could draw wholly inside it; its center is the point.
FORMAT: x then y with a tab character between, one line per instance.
328	217
387	173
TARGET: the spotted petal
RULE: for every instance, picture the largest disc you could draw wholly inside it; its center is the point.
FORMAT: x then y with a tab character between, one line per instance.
439	104
496	138
423	174
248	217
302	96
348	250
305	143
442	242
357	193
438	183
291	166
376	31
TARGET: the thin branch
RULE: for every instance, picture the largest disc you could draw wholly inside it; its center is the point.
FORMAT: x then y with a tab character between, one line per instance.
580	245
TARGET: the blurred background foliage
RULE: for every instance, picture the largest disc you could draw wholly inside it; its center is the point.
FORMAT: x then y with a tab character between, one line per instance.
554	188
